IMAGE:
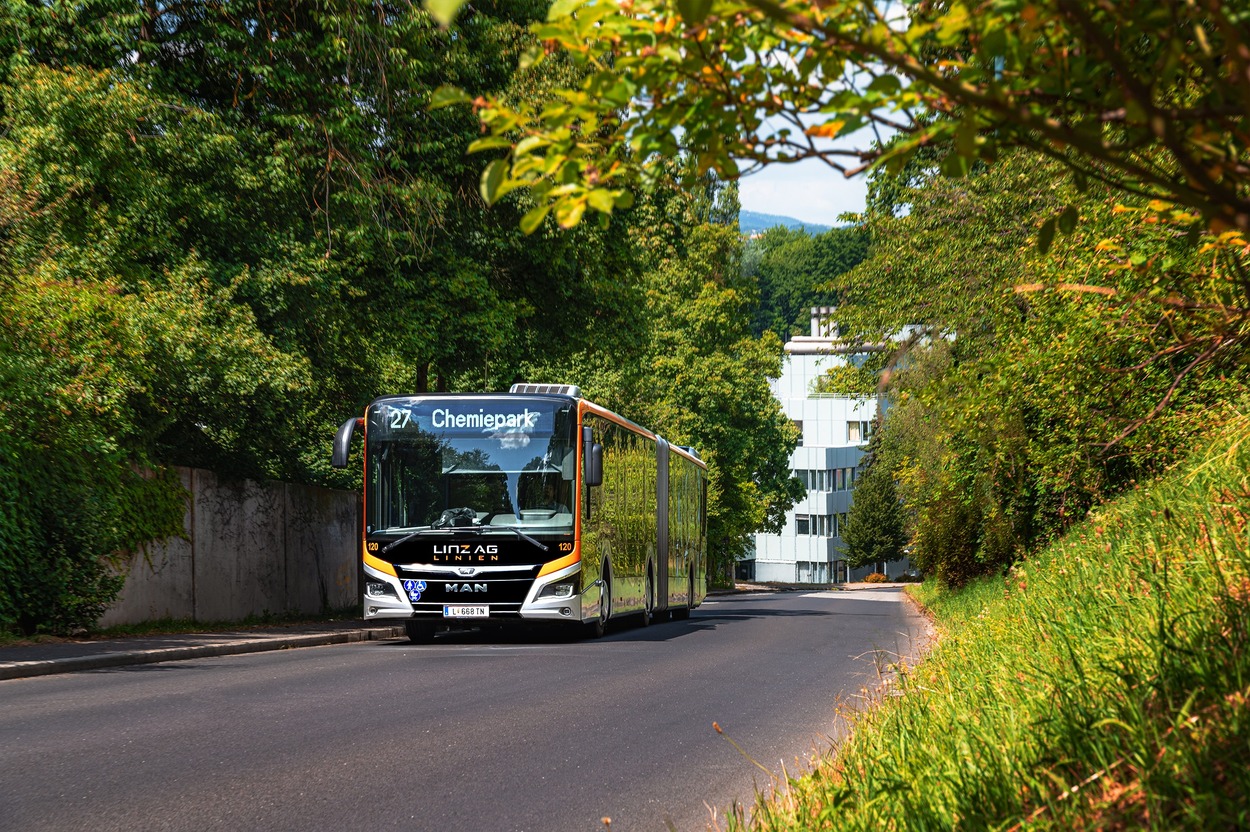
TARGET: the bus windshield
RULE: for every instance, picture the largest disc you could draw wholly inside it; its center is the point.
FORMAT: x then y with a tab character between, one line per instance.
457	462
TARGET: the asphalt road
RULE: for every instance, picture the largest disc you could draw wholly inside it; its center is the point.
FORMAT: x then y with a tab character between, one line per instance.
472	732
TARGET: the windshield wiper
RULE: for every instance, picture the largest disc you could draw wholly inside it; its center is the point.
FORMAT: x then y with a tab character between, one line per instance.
516	532
407	537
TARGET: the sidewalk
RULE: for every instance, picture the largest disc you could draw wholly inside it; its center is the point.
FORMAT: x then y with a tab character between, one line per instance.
25	660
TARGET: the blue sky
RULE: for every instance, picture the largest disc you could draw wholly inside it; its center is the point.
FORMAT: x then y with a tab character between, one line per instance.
809	191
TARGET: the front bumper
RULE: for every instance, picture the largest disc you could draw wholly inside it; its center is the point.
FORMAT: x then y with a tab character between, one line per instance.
396	603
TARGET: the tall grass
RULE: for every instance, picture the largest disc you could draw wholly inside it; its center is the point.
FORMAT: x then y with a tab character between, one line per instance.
1104	683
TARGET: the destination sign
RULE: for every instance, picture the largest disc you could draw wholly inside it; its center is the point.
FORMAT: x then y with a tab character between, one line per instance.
442	417
497	417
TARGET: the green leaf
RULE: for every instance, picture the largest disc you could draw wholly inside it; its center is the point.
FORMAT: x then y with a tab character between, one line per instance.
601	200
492	178
534	218
444	11
562	8
694	11
488	143
530	144
569	212
1067	220
955	166
966	138
530	57
885	84
447	95
953	24
1046	235
994	42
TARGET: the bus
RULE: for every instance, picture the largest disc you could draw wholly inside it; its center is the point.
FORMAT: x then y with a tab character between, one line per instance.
534	505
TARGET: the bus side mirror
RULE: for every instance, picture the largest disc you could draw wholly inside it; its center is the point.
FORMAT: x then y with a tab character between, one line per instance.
594	465
343	441
592	458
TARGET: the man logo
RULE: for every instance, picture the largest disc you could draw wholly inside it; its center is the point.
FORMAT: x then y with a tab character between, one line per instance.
464	587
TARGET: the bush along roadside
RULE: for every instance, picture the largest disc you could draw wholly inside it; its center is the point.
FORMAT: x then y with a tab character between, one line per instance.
67	509
1104	683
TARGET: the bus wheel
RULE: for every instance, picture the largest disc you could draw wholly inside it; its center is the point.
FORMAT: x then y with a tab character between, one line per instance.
682	613
596	628
419	632
648	598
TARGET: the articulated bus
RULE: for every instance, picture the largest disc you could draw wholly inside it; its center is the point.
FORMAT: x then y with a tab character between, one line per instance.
534	505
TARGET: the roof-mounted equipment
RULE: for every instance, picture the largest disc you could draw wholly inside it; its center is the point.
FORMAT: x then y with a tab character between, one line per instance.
548	389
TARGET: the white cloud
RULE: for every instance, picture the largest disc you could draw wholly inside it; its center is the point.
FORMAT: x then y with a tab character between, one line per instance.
810	191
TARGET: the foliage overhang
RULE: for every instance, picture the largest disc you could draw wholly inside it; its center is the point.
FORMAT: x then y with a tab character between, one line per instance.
1149	98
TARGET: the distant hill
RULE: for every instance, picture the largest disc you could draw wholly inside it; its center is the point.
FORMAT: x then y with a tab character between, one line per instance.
752	223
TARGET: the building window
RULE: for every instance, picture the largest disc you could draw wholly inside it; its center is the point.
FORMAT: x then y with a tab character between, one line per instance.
802	524
858	432
798	423
840	484
812	480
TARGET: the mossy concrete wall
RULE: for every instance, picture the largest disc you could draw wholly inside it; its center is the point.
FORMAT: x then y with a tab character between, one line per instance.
251	548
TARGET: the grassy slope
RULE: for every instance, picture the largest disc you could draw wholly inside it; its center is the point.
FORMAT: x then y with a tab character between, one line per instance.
1103	683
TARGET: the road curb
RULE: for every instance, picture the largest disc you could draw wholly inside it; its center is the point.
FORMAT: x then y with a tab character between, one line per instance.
47	667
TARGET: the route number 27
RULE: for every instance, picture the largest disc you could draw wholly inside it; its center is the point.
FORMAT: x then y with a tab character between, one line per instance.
400	419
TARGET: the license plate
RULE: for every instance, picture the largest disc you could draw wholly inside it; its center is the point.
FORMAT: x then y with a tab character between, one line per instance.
466	611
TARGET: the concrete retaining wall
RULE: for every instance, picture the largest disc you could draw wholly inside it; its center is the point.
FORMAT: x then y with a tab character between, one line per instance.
253	548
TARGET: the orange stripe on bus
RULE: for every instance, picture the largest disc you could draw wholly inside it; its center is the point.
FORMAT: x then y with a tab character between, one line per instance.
556	565
380	565
604	413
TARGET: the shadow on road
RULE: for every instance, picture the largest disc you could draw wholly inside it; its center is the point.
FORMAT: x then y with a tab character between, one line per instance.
625	629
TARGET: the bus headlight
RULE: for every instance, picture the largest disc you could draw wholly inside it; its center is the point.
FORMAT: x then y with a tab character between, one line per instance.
565	590
379	588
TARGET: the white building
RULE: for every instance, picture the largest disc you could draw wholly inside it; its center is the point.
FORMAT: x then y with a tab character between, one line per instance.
834	432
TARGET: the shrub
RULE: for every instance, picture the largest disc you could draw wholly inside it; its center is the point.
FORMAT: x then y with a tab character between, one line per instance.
65	514
876	578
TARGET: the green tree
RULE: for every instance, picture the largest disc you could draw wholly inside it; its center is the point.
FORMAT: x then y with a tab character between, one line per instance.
227	225
875	530
709	379
692	369
792	266
103	345
1034	386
